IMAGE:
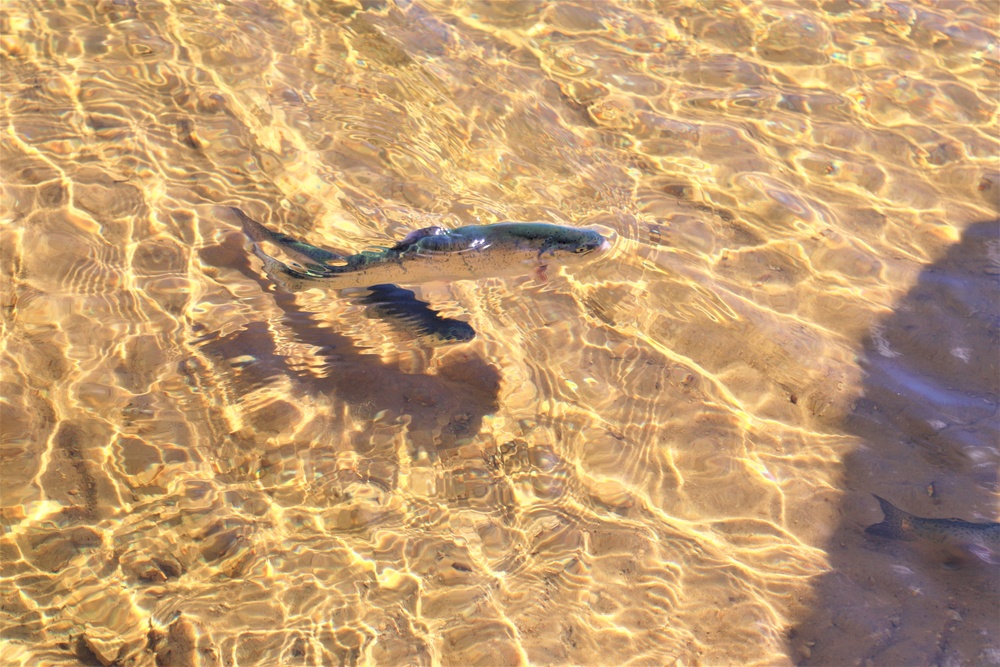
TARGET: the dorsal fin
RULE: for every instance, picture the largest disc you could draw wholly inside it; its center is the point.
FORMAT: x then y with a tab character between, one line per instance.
413	237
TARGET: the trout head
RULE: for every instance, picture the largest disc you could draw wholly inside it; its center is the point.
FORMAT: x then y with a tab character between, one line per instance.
563	245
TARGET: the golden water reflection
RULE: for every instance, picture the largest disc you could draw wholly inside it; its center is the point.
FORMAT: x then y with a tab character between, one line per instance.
663	458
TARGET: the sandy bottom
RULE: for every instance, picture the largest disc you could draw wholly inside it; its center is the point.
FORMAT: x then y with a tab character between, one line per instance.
664	456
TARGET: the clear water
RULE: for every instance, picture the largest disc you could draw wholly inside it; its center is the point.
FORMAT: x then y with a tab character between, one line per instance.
665	457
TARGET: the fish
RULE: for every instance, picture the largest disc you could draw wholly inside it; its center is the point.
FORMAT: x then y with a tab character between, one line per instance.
425	255
431	254
955	536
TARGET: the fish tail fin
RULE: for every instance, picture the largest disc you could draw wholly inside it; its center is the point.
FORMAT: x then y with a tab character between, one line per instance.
895	524
287	277
282	275
300	251
255	231
257	234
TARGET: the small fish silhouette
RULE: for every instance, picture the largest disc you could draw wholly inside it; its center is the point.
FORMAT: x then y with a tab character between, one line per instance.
956	536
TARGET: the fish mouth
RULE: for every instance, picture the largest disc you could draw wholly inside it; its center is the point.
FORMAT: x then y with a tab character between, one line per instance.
607	236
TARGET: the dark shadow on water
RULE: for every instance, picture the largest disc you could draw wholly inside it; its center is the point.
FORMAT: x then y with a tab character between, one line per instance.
929	430
444	409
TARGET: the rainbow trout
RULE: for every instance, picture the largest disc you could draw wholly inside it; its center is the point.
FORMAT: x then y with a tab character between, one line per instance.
426	255
982	540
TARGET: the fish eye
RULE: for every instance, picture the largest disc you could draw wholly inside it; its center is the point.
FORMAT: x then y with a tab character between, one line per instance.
580	249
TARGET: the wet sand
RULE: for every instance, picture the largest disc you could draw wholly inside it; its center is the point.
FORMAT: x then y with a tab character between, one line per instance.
666	457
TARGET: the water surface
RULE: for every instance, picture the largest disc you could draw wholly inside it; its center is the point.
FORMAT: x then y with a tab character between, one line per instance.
663	458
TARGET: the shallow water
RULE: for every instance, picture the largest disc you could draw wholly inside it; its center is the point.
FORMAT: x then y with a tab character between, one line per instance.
663	457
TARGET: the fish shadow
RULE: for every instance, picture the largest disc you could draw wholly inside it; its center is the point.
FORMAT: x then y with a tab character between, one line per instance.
444	409
928	427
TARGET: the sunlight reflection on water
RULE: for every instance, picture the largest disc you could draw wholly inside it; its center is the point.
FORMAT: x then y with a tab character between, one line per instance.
666	456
